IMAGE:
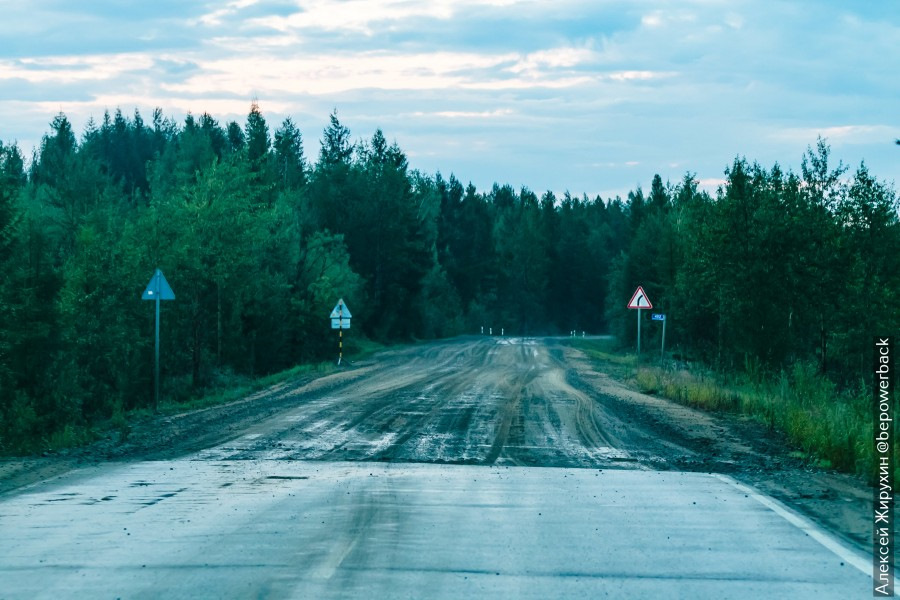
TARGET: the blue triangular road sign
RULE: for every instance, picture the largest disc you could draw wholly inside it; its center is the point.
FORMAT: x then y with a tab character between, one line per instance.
158	288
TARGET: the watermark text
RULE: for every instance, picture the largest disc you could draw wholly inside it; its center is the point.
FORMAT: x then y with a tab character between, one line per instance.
883	512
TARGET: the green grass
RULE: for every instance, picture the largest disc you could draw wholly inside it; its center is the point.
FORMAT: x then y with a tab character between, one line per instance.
71	436
230	387
828	427
178	398
606	352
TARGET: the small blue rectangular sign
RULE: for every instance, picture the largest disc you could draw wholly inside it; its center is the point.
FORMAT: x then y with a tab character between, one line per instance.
658	316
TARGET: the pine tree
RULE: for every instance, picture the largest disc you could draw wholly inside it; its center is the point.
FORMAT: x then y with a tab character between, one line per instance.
289	163
257	136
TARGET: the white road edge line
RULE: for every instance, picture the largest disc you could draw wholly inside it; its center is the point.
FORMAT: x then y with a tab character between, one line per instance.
849	556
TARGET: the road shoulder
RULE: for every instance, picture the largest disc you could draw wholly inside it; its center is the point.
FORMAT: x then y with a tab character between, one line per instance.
695	440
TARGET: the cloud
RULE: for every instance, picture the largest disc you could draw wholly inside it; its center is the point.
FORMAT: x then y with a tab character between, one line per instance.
461	114
55	28
66	69
711	183
839	135
335	74
667	18
220	15
553	58
559	95
637	75
367	16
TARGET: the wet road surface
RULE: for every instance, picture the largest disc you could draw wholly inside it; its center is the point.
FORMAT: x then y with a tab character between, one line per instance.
504	402
549	493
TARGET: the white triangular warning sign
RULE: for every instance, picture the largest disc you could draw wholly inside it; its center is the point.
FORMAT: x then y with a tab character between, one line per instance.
640	299
340	311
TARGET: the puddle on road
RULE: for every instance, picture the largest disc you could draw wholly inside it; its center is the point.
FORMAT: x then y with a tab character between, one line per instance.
516	341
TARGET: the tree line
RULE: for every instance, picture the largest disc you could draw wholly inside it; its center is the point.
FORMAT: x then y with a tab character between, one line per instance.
258	242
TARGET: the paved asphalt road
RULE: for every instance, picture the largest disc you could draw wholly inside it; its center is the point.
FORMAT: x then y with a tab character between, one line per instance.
468	469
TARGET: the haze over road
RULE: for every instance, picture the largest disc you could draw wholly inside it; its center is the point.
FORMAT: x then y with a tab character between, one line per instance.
555	491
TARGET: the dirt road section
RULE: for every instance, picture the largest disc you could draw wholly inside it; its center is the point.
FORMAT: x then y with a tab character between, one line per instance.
494	401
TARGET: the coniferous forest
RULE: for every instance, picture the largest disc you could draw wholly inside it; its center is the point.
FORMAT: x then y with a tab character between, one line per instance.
259	236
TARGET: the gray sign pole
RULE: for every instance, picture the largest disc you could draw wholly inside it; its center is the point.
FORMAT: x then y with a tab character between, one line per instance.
156	378
639	333
662	351
158	289
639	301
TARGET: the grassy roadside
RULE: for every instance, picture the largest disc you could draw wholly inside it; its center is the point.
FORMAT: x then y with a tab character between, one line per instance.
226	387
828	427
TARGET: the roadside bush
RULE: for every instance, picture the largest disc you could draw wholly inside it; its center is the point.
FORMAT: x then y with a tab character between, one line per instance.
20	426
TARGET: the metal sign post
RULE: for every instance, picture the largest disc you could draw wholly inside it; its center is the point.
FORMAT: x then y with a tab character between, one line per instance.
158	289
639	332
639	301
340	320
662	350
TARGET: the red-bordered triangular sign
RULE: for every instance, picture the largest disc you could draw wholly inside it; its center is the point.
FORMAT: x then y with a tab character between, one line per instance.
640	299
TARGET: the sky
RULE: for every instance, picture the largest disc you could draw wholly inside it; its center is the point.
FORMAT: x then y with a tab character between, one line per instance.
590	97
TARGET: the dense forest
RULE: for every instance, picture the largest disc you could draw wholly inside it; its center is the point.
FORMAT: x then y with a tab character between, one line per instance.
258	242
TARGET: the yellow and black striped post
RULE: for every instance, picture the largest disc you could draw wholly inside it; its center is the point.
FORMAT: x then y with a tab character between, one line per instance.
340	314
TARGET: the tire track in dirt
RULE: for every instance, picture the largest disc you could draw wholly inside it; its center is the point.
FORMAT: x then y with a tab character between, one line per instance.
482	400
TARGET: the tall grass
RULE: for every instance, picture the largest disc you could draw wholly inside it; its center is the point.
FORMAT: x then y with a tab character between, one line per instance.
178	396
228	387
830	427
